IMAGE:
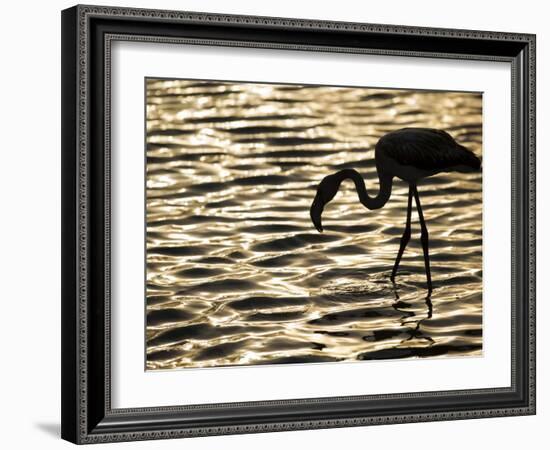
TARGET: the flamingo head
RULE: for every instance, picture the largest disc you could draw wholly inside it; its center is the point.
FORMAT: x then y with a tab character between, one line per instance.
326	191
315	213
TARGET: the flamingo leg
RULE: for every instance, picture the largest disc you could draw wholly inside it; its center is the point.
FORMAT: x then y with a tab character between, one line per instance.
405	238
424	240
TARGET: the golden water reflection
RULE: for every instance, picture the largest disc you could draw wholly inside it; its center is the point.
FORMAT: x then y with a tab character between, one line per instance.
236	272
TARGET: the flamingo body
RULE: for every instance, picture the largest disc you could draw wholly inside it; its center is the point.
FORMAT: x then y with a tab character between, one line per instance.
415	153
410	154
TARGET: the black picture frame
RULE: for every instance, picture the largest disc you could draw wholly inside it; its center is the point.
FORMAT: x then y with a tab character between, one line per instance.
87	33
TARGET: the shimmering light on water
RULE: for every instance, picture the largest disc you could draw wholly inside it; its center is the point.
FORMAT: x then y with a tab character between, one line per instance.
236	273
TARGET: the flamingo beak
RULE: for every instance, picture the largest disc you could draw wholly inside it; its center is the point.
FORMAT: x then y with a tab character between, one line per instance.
315	213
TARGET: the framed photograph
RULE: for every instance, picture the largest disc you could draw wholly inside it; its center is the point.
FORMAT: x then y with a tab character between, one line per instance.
280	224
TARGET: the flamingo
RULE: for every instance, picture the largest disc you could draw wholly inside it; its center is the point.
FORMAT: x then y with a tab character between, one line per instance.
410	154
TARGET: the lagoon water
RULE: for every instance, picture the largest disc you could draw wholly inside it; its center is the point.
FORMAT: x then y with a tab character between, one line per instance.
236	272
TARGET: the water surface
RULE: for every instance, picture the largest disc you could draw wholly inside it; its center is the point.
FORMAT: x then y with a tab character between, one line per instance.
236	272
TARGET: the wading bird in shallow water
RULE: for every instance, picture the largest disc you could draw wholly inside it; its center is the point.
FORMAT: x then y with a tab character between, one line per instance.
410	154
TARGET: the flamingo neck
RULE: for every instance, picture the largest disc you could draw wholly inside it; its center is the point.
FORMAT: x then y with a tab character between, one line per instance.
384	192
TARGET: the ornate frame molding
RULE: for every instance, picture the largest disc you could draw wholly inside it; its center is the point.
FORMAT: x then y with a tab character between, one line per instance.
87	422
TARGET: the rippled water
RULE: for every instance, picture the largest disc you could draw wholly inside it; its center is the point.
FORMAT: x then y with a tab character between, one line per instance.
236	272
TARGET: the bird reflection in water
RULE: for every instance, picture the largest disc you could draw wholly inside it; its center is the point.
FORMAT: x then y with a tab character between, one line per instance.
412	320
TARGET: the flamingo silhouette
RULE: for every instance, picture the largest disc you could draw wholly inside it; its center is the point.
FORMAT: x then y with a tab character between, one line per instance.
410	154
